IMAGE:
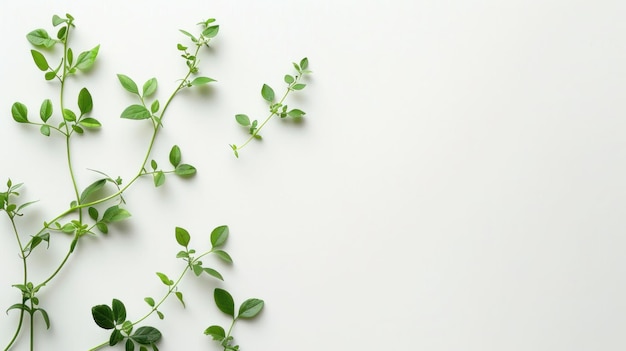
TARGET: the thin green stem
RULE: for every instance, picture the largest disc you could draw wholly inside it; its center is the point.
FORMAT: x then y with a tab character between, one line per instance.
23	256
32	325
106	343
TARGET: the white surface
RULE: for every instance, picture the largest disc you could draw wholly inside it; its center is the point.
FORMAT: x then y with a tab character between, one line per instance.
458	183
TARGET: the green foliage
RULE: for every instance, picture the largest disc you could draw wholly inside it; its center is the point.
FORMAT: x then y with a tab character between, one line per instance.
101	204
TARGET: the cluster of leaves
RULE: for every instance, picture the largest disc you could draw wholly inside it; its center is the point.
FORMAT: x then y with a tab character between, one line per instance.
114	318
276	107
180	169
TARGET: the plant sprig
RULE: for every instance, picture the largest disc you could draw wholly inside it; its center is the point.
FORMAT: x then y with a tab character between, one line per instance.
276	108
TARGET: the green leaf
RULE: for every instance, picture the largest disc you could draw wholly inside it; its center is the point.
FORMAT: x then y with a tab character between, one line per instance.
149	87
102	227
40	60
159	178
289	79
211	32
184	170
155	106
103	316
136	112
77	129
224	301
45	316
197	269
86	59
39	37
175	155
92	188
119	311
50	75
182	236
212	272
296	113
130	345
244	120
216	332
45	130
61	36
304	63
189	35
93	213
179	295
165	279
128	84
154	165
250	308
219	235
115	214
19	112
45	111
146	335
69	115
149	301
56	20
160	314
267	92
116	337
298	86
223	255
90	123
85	103
201	81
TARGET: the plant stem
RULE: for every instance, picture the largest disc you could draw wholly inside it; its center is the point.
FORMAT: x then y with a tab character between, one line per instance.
25	269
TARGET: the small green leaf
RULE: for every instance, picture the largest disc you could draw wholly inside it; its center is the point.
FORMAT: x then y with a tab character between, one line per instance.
149	87
201	81
50	75
182	236
146	335
45	111
298	86
56	20
175	155
295	113
86	59
116	337
155	106
128	83
61	36
165	279
250	308
160	314
184	170
149	301
304	63
39	37
19	112
92	188
103	316
189	35
216	332
85	103
115	214
267	92
77	129
44	314
40	60
93	213
219	236
154	165
130	345
212	272
289	79
45	130
244	120
211	32
197	269
224	301
223	255
179	295
159	178
136	112
102	227
90	123
119	311
69	115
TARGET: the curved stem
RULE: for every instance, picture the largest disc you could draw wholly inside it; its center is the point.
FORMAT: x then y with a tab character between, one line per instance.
25	269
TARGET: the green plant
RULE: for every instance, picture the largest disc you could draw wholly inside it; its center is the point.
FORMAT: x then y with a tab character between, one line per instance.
97	208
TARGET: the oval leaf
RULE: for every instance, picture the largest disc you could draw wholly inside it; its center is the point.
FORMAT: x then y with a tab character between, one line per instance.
219	236
250	308
146	335
128	83
45	112
86	59
103	316
40	60
149	87
182	236
244	120
85	103
175	155
216	332
92	188
39	37
201	81
267	92
19	112
224	301
136	112
185	170
90	123
119	311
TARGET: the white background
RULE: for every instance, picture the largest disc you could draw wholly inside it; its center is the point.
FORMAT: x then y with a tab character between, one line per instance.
457	183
